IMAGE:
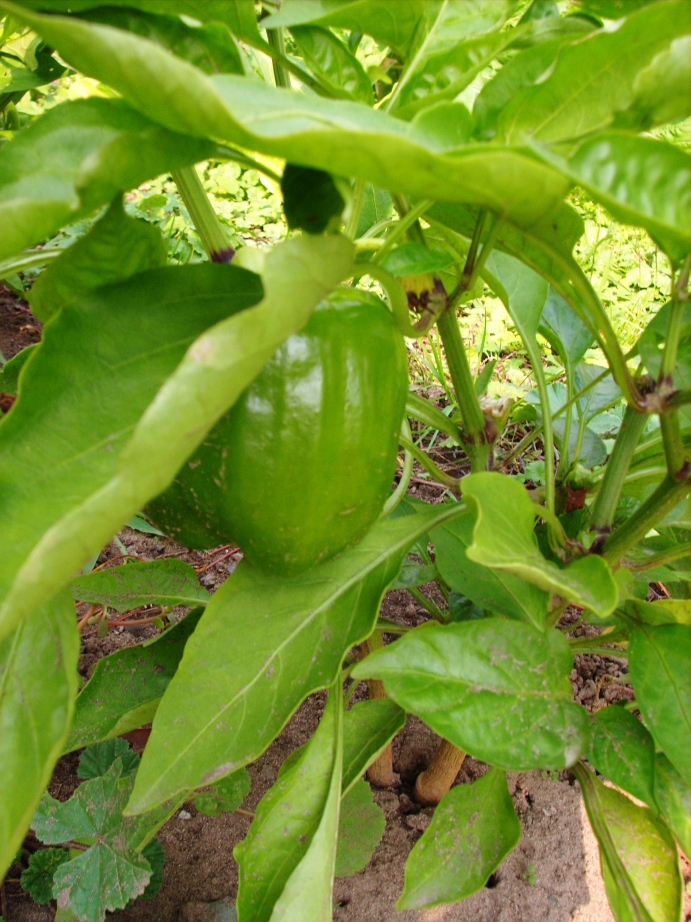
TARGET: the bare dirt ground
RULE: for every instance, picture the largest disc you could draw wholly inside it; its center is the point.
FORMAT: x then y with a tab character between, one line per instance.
553	874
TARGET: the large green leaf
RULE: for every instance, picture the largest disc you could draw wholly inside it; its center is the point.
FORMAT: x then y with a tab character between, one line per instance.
622	750
77	157
660	668
673	799
116	248
294	832
374	17
488	588
330	61
38	685
497	689
368	728
334	135
566	332
451	47
662	90
100	364
473	829
151	582
361	826
216	368
262	646
638	856
593	79
211	48
503	538
127	686
641	181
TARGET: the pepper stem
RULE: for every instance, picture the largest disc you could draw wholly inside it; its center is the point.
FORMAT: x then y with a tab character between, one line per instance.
211	232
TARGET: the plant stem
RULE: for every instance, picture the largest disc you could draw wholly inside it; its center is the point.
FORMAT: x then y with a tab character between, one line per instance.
275	39
429	605
432	784
406	474
355	208
28	260
408	219
607	499
663	500
380	773
211	232
474	436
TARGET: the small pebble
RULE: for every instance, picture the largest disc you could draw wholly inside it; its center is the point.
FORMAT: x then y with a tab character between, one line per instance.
184	815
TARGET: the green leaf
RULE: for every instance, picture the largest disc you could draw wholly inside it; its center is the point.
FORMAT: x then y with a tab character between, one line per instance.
75	158
660	669
413	574
332	64
37	879
622	750
127	686
593	79
361	826
661	90
101	362
473	829
226	795
415	259
497	689
564	330
310	199
494	590
297	275
641	181
9	374
370	16
38	679
376	206
450	48
247	671
96	760
442	126
110	872
294	831
211	48
518	72
116	248
503	538
673	799
638	856
156	858
338	136
155	582
369	726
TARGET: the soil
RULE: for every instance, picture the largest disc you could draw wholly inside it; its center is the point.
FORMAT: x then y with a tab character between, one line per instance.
553	874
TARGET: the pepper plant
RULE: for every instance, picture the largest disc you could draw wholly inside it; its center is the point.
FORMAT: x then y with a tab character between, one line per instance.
430	145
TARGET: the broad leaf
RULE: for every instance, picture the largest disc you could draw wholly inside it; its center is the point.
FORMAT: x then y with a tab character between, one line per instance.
77	157
415	259
211	48
110	872
225	796
566	333
503	538
360	829
294	820
673	799
213	373
127	686
331	62
661	90
497	689
368	727
116	248
38	678
97	760
155	582
338	136
37	878
488	588
593	79
473	829
374	17
660	668
262	646
638	856
641	181
622	750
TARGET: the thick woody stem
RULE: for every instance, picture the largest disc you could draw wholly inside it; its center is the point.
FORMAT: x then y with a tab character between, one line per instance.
380	773
434	783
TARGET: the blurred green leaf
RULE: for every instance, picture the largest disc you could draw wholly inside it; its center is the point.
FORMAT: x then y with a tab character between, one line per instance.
622	750
226	795
155	582
361	826
310	198
333	65
673	799
368	727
